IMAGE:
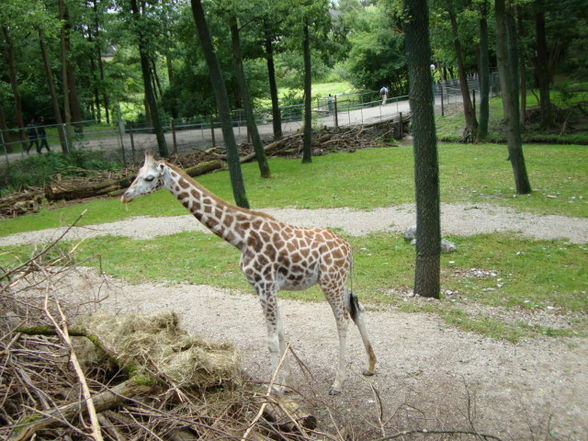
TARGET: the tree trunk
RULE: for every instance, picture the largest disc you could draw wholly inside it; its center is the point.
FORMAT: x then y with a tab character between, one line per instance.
307	144
523	73
149	94
52	91
11	59
469	133
73	100
484	69
428	240
222	102
63	55
542	71
508	82
246	99
99	59
271	73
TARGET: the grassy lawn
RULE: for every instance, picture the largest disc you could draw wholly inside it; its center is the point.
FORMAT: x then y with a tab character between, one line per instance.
497	272
506	277
367	179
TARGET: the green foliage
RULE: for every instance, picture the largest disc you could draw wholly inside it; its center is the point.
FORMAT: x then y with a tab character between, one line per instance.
377	52
37	170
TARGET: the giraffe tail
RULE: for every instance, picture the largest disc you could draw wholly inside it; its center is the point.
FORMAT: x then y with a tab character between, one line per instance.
355	308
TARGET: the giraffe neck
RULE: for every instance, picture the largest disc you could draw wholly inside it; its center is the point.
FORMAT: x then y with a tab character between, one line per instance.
220	217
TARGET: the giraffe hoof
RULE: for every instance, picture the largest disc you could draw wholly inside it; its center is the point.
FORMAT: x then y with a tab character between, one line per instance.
334	392
368	373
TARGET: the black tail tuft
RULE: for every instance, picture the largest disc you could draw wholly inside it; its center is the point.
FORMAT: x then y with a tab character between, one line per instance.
354	308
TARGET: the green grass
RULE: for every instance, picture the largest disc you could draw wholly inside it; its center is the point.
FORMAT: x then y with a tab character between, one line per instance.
367	179
521	274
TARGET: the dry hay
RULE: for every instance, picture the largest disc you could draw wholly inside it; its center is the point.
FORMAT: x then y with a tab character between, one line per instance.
156	345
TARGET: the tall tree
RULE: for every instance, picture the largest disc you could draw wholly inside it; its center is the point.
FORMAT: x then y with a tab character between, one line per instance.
11	62
428	237
271	73
307	137
264	169
484	74
508	72
222	102
542	67
147	77
469	133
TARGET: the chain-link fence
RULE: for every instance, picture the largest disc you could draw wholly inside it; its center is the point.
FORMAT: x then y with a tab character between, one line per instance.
126	142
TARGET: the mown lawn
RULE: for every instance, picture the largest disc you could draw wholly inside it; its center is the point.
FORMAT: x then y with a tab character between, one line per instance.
367	179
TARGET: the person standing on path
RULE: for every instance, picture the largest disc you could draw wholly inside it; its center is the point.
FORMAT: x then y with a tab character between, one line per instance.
42	136
32	134
384	94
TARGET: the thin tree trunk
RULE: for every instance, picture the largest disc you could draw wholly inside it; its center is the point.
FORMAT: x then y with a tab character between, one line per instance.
271	73
52	92
469	133
156	81
222	102
149	95
246	100
484	75
73	100
63	58
428	239
99	60
9	49
508	83
542	71
523	72
307	140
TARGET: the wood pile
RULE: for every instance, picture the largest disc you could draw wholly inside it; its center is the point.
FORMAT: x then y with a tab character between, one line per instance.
97	183
120	378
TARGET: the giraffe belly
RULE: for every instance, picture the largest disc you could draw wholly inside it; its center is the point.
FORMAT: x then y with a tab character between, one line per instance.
297	281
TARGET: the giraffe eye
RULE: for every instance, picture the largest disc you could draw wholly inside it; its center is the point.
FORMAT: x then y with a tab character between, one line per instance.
150	178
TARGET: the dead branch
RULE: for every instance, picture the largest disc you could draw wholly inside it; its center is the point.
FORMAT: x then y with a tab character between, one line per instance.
438	432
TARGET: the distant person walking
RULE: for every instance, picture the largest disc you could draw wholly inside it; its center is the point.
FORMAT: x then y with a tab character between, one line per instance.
384	94
32	134
42	136
330	103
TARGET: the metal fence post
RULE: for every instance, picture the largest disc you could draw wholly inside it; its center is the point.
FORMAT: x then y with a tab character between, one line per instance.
121	133
175	144
212	130
132	143
4	147
442	106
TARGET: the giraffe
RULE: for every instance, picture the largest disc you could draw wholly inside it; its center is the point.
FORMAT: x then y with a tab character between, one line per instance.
274	256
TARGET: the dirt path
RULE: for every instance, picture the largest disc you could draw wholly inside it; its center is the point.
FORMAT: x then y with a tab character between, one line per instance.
457	219
428	371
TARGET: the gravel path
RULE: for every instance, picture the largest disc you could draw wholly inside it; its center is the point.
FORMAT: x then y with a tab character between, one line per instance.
457	219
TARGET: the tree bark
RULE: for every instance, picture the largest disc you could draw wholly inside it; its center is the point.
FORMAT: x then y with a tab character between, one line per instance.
520	30
99	60
307	143
11	59
542	71
149	94
469	133
73	100
52	91
508	73
271	73
428	237
484	69
63	54
222	102
264	169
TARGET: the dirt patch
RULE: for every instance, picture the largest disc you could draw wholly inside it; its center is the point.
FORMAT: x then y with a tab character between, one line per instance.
429	374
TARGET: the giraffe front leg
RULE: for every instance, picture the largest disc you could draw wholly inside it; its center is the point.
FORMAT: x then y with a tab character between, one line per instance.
275	337
342	325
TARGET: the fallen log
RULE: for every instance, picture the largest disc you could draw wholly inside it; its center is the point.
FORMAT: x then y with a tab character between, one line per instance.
63	191
20	203
205	167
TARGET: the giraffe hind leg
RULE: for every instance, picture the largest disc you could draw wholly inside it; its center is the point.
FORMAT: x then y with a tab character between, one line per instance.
356	312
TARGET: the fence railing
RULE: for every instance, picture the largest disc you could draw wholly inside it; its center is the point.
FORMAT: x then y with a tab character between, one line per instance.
126	142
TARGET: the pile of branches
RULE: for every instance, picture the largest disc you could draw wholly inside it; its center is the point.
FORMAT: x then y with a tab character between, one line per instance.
63	376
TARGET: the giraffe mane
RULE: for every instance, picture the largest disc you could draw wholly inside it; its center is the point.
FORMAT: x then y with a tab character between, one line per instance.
189	178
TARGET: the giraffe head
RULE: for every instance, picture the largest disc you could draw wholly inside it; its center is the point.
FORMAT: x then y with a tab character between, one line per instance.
148	180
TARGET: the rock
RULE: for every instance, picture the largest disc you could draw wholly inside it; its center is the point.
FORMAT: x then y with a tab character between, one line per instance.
447	246
410	233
